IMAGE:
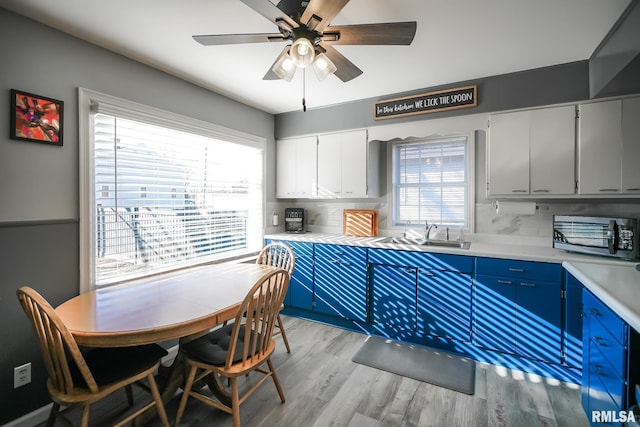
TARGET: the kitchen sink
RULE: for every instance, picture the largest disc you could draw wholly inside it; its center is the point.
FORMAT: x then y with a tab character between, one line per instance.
460	244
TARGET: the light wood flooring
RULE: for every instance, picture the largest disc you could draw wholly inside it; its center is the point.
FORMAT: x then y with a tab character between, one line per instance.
324	387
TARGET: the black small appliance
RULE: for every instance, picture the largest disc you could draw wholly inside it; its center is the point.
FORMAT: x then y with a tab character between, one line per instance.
294	220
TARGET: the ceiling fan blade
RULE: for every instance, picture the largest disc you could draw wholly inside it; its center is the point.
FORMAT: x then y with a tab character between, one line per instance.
346	70
326	10
390	33
270	11
222	39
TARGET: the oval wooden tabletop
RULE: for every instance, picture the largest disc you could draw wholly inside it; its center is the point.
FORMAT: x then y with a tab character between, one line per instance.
161	308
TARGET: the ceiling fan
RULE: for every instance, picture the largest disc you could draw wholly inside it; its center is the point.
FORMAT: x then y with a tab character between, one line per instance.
306	24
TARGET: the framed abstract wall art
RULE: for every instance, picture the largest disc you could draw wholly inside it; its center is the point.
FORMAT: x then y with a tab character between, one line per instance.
36	118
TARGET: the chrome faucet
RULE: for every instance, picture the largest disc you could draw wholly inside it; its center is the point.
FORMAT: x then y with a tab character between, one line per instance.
427	230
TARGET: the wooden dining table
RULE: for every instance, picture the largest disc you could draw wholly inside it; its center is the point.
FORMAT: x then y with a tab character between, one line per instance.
179	305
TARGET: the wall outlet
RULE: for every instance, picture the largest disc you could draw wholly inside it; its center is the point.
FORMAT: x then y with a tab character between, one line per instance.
21	375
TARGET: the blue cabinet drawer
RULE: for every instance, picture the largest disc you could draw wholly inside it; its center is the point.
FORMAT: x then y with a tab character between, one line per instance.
608	379
545	271
342	252
605	317
442	262
612	350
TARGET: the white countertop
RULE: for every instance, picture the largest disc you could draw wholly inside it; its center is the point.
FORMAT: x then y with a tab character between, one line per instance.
508	247
618	286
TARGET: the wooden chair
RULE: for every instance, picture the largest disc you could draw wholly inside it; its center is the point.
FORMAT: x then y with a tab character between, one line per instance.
81	379
237	349
278	255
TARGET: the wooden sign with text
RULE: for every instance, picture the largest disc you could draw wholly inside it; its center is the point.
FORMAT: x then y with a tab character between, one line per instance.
431	102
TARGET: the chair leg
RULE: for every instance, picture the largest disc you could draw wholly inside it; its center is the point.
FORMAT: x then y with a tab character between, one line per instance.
162	413
129	391
53	414
276	381
283	333
85	416
185	394
235	402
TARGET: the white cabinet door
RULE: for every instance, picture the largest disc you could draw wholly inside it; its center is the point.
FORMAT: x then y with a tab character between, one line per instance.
508	154
600	148
631	146
285	168
552	148
296	168
354	164
306	167
330	165
343	165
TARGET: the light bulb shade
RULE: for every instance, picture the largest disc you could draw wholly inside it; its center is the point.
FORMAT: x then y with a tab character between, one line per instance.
323	66
302	52
284	66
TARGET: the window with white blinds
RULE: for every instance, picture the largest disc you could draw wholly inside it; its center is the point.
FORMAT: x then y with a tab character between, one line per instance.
166	198
430	182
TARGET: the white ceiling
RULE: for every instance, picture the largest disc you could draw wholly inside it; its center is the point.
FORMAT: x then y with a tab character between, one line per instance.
455	40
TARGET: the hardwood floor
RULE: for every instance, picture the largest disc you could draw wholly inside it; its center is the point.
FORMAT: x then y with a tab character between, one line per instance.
324	387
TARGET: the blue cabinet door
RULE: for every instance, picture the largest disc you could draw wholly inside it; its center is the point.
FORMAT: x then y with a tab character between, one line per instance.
495	313
573	322
444	304
341	281
394	299
538	317
300	292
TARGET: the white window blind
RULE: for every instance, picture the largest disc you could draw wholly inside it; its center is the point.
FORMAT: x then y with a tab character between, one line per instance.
430	182
167	198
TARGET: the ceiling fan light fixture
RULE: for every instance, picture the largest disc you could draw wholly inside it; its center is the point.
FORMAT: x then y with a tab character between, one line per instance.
302	52
323	66
284	66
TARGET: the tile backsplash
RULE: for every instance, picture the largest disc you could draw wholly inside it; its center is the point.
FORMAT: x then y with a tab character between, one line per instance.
326	216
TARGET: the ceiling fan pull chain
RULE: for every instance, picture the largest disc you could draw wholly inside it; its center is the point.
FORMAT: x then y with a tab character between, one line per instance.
304	102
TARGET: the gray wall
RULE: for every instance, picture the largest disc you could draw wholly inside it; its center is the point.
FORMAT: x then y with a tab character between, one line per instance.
39	183
531	88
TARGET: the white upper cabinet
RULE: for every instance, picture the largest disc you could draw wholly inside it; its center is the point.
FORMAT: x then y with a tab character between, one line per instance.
631	146
600	148
552	151
347	167
609	149
508	154
532	153
296	167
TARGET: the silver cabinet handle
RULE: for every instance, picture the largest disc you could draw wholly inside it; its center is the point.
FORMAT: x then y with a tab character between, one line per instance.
600	342
541	191
609	190
519	191
516	270
530	285
505	282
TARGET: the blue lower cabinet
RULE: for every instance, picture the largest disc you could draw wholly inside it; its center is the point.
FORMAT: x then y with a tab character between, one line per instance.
495	313
573	322
538	320
444	304
520	317
340	284
394	299
610	365
300	293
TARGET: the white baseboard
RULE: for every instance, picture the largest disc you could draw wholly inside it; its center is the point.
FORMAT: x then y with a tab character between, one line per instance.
33	418
40	415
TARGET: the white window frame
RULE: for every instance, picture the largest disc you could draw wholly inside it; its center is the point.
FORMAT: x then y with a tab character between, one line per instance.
87	98
470	181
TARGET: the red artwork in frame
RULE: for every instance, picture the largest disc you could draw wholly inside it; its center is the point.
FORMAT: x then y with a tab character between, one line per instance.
36	118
